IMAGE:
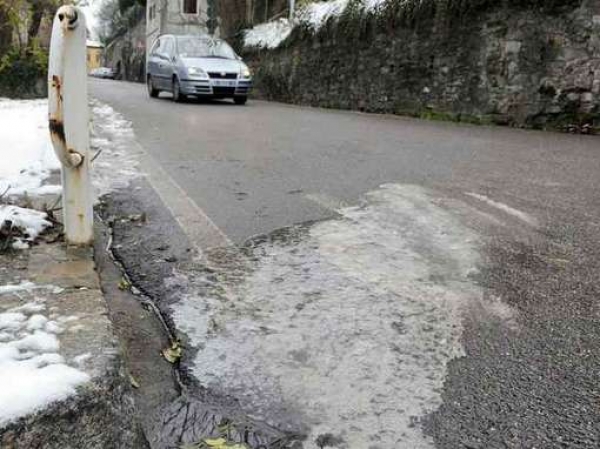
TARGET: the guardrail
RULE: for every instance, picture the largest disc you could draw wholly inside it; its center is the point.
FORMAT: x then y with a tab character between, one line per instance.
69	121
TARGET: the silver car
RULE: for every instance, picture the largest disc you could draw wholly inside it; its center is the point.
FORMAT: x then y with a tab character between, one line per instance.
197	65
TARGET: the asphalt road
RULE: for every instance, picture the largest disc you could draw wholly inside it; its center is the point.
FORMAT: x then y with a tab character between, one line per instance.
255	168
456	307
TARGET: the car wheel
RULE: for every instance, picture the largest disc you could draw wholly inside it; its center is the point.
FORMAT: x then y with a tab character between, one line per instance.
177	95
240	100
151	90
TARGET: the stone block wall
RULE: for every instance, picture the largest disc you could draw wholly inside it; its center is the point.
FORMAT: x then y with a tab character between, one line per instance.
126	54
514	65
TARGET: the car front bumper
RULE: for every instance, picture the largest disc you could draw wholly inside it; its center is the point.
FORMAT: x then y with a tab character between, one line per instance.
209	88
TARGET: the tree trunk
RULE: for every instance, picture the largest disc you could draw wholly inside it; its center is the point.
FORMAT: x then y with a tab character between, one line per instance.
6	31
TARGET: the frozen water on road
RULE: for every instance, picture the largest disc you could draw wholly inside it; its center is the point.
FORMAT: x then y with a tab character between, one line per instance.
343	329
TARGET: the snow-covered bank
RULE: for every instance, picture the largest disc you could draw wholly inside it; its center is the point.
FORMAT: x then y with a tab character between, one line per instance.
316	14
26	154
268	35
313	15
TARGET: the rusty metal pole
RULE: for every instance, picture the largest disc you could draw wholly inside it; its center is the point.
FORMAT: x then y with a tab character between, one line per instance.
69	121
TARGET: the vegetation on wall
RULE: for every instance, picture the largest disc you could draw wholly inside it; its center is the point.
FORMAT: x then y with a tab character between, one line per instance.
23	60
23	72
118	16
475	61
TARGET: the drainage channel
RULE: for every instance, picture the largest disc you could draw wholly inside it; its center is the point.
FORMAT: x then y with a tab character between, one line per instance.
173	412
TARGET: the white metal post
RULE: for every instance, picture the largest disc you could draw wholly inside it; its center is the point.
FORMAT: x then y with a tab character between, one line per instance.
69	120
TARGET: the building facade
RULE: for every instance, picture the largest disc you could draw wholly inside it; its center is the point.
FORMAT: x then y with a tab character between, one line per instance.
180	17
94	55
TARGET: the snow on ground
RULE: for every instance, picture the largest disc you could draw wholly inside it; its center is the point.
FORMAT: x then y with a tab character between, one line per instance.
268	35
27	157
27	286
372	5
30	222
32	372
26	150
117	163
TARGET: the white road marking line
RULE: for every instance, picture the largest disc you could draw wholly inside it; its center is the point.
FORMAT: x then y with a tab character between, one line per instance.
194	222
526	218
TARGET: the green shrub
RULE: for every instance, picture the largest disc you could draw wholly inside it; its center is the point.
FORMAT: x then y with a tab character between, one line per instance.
23	72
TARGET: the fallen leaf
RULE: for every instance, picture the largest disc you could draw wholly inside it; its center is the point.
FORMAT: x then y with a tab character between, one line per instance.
124	284
173	353
134	383
221	443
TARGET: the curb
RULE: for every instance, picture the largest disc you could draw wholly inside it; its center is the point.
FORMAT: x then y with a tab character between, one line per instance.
100	413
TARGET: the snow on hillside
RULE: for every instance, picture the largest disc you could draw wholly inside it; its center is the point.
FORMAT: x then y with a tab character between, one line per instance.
268	35
314	15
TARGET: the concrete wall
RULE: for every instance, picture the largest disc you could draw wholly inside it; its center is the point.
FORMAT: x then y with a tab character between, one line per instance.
522	66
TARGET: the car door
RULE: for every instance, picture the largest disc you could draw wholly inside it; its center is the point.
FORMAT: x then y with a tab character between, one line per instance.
154	64
167	62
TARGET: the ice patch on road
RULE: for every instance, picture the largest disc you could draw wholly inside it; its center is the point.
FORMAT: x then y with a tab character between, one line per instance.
25	148
113	140
505	208
32	373
345	328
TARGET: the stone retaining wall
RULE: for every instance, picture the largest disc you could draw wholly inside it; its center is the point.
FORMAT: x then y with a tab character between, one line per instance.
516	65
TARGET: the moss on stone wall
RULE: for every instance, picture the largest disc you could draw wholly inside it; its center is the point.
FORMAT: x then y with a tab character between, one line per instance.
526	63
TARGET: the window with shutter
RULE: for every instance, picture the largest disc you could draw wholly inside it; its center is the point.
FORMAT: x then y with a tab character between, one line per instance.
190	6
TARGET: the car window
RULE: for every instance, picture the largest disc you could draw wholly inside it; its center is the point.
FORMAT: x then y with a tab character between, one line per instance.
156	47
168	48
193	47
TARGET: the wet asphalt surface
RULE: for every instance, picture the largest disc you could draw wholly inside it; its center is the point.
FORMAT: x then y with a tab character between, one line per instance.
526	381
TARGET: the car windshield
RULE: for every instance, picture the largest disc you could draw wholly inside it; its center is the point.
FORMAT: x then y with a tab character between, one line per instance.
191	47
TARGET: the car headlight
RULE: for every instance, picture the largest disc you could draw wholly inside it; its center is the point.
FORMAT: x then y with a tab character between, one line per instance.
246	73
197	72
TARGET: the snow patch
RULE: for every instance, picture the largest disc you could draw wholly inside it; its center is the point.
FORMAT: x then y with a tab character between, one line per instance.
113	137
372	5
26	152
30	222
271	34
316	14
268	35
15	288
32	373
